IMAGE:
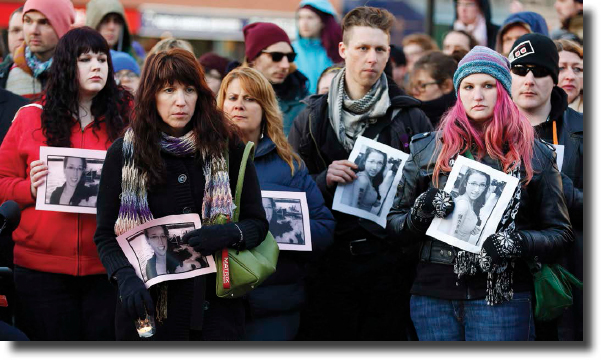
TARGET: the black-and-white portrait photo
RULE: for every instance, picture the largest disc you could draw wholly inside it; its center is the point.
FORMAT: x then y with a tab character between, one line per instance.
370	195
156	251
72	181
478	194
288	216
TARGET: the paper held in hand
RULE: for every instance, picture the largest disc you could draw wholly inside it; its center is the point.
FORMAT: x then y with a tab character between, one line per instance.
481	195
370	195
157	253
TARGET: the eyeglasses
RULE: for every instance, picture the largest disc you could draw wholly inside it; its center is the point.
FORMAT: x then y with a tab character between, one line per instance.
421	87
277	56
481	186
537	71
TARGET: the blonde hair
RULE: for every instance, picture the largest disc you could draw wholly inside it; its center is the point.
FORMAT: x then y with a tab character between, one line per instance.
171	43
257	86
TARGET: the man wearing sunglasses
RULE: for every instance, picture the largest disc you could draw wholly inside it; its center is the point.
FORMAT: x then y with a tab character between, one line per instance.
534	73
268	50
342	302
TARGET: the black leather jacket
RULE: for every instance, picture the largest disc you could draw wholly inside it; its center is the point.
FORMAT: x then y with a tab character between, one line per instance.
542	220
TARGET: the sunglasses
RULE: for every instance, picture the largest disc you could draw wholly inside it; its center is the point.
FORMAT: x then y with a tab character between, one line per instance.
538	72
277	56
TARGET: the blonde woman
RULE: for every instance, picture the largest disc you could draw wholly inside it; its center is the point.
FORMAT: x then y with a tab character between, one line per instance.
248	100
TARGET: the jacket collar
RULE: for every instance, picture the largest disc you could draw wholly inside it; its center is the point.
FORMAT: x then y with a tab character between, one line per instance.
265	146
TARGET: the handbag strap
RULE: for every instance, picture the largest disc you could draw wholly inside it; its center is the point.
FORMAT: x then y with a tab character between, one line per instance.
240	183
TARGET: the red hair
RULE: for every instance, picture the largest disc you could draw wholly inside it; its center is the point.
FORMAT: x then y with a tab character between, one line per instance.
507	136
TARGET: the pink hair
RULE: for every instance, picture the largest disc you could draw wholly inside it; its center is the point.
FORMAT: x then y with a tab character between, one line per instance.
507	137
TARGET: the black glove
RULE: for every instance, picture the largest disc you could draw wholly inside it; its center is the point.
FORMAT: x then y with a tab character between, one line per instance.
433	202
211	238
500	246
133	294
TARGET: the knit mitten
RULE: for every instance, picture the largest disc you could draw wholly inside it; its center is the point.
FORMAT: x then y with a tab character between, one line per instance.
211	238
503	245
433	202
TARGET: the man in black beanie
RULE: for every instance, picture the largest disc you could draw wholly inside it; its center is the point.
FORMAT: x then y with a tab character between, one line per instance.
534	71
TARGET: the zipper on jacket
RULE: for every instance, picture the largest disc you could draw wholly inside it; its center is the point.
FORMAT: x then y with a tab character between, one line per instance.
77	254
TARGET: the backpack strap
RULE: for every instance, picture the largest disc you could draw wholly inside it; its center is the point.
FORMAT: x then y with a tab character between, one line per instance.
240	183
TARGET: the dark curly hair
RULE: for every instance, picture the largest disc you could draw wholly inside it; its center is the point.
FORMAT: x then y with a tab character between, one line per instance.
212	130
61	106
379	178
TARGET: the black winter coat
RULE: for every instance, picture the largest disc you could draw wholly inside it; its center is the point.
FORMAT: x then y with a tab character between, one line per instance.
314	139
570	134
9	105
222	319
542	219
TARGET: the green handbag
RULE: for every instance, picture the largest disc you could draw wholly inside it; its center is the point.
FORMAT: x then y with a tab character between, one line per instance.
552	290
238	272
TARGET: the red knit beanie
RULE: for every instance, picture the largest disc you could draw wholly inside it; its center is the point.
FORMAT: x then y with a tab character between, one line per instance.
60	13
213	61
260	35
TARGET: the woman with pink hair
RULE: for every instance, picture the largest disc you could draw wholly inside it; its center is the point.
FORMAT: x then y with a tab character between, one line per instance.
485	296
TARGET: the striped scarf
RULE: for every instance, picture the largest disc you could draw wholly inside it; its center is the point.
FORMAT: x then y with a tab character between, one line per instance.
134	210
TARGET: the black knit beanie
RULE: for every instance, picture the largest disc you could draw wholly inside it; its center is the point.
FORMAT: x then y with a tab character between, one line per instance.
536	49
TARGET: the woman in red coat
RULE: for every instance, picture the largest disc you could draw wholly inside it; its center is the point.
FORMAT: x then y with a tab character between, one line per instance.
61	286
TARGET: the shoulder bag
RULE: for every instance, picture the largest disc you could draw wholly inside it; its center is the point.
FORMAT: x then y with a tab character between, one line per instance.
240	271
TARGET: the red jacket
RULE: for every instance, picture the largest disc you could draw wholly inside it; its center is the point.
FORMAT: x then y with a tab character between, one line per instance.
49	241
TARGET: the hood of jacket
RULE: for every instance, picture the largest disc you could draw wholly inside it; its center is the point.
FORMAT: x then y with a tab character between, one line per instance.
96	10
321	5
534	22
559	103
294	87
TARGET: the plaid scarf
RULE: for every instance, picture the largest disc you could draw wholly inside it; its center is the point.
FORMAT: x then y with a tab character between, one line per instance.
499	283
349	118
134	210
36	66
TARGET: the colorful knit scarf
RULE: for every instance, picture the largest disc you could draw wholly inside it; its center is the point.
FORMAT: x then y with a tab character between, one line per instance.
499	283
134	210
36	66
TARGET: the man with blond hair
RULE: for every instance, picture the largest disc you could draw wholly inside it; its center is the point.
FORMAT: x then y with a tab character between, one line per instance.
359	291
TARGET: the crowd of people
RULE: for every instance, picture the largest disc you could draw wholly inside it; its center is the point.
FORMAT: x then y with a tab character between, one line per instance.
511	97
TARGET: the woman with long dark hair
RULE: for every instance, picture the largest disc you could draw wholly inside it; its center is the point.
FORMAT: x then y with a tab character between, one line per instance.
249	101
319	33
61	285
472	196
74	191
171	161
374	177
492	289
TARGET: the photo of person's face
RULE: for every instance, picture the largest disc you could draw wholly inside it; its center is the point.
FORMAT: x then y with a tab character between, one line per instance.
157	239
476	184
268	206
73	171
374	163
